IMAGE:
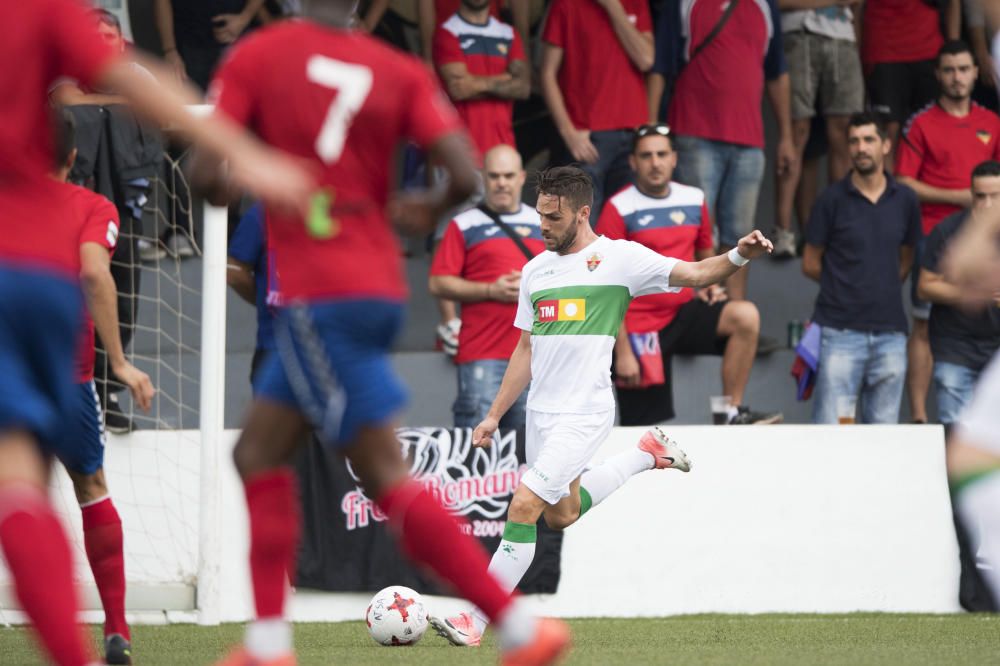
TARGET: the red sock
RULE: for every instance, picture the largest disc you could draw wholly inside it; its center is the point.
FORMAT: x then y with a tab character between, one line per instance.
273	503
430	536
38	556
102	537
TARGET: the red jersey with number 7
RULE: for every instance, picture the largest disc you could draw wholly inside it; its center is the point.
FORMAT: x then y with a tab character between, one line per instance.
345	102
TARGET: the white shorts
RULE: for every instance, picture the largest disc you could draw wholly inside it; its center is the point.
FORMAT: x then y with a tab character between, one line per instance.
979	421
559	447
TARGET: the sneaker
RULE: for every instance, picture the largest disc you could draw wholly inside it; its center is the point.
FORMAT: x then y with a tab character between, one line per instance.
447	336
766	345
784	244
665	451
746	417
179	246
114	419
551	641
459	630
240	657
117	650
150	250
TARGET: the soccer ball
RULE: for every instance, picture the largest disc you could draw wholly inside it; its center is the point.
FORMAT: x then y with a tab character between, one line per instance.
396	616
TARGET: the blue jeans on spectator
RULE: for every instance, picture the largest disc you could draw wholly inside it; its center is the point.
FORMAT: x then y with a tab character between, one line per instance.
729	174
611	172
478	383
954	384
869	365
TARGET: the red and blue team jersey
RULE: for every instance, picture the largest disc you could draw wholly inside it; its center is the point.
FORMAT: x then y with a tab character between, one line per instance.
343	101
40	41
474	247
675	226
486	50
717	95
97	222
601	87
941	150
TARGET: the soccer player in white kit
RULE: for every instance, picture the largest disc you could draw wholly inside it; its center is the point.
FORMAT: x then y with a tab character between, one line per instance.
573	298
973	263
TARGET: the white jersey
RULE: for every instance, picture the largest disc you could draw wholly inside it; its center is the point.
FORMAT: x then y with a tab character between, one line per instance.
573	306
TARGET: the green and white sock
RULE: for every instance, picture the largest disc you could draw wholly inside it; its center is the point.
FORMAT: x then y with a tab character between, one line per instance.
599	482
510	561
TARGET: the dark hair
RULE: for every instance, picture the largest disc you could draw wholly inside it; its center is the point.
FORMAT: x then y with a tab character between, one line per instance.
107	18
63	136
568	182
651	129
953	47
987	169
869	118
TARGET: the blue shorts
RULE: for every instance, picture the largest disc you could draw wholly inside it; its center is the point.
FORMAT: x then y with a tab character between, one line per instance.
81	449
333	365
40	319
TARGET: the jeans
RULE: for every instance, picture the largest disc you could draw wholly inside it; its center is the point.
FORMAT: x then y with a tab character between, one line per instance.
954	384
611	172
478	384
730	175
871	366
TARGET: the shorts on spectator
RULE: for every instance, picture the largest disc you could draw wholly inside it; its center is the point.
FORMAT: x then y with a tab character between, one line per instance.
729	174
693	331
824	68
899	89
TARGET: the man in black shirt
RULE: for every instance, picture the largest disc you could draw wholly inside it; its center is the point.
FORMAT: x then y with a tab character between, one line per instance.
859	247
962	341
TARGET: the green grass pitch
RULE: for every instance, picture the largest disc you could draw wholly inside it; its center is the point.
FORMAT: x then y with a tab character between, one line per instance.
716	640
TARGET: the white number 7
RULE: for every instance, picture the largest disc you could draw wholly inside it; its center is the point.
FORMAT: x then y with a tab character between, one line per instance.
352	83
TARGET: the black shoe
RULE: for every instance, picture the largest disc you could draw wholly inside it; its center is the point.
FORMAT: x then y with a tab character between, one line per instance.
767	345
746	417
114	419
117	650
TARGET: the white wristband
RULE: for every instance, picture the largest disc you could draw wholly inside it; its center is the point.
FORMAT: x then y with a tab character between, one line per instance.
737	258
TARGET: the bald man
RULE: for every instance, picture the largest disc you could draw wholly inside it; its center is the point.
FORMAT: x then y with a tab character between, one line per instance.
478	263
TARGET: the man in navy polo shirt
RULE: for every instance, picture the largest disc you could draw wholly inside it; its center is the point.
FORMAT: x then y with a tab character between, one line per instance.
859	247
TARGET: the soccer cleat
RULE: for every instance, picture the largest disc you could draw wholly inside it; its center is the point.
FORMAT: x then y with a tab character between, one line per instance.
745	416
458	630
665	452
117	650
240	657
784	244
551	641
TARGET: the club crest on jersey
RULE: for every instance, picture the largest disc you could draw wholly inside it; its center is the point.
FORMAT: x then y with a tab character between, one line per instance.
523	231
678	217
593	261
983	136
502	48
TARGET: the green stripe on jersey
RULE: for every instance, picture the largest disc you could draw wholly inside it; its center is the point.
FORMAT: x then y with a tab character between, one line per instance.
605	308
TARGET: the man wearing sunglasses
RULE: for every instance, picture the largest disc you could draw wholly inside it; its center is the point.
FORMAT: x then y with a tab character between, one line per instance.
673	220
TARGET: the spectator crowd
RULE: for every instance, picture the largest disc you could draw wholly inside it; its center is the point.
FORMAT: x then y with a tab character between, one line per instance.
884	138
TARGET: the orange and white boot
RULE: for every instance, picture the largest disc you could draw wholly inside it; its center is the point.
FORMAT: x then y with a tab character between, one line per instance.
551	641
241	657
666	454
458	630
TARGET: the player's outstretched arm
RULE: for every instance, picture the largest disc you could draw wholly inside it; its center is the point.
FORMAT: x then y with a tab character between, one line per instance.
972	260
268	173
718	268
515	380
102	303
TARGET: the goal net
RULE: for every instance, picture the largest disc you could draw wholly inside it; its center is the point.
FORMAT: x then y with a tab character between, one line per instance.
162	476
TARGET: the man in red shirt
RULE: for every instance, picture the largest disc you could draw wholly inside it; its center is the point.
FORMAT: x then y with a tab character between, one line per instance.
594	58
900	39
40	303
342	279
673	220
481	62
941	146
714	110
478	264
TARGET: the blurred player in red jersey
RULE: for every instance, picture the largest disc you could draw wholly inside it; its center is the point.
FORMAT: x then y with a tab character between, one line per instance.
40	305
345	102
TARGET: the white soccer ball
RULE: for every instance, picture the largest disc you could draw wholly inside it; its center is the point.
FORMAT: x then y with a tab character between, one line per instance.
396	616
